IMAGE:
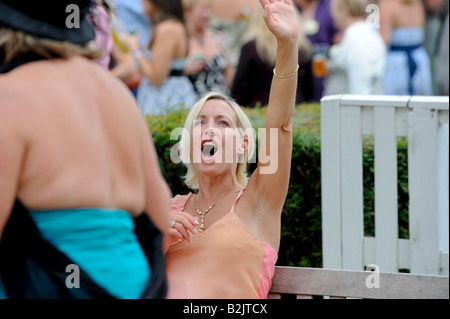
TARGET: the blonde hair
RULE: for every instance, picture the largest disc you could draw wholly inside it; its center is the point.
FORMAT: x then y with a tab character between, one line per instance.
266	42
191	178
356	8
15	44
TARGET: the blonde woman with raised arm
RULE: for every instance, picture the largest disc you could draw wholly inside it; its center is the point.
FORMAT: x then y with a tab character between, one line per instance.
224	238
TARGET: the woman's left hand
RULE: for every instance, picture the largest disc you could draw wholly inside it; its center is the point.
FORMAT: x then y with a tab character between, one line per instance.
281	18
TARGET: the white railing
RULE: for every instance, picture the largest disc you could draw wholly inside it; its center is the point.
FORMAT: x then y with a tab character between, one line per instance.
424	121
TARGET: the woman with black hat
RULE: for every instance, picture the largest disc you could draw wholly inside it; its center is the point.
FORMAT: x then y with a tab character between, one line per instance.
77	165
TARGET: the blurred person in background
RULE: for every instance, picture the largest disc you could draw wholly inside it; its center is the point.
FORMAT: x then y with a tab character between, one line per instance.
441	70
357	64
207	65
231	19
408	69
254	73
163	85
436	43
435	13
80	182
128	17
319	27
133	19
101	21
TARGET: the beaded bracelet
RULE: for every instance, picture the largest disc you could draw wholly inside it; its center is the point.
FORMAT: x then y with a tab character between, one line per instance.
136	55
287	75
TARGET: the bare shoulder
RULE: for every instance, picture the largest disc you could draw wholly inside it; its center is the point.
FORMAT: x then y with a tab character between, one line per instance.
171	38
170	28
37	89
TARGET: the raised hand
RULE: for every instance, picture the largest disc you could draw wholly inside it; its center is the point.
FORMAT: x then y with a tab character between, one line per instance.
281	18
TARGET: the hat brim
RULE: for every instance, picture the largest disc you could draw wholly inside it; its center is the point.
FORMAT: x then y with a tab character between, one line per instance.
19	21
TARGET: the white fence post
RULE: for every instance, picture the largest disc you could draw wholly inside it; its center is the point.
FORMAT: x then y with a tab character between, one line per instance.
386	211
443	197
351	188
331	184
423	154
422	178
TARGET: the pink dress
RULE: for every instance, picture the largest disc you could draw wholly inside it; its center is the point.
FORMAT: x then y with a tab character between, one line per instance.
226	261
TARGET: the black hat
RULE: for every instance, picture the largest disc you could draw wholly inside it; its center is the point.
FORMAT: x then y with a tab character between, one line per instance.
60	20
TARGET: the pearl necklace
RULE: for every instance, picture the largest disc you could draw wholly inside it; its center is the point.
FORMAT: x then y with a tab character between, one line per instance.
202	214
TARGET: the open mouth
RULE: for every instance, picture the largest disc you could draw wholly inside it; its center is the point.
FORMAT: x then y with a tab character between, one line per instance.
209	149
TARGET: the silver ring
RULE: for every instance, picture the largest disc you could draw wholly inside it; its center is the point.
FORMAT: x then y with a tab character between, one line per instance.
172	223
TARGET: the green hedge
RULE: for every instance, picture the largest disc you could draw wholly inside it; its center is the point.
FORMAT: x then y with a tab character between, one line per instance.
301	234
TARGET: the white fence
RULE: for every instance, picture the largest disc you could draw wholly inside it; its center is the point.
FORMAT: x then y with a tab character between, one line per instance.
424	121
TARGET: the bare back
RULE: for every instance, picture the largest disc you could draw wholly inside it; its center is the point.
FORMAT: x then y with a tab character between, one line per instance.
84	137
400	14
408	14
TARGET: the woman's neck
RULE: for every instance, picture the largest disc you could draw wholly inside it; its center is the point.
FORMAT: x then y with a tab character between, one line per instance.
210	190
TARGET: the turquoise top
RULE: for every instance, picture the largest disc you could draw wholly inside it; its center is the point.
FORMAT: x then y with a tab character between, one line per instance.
102	243
2	290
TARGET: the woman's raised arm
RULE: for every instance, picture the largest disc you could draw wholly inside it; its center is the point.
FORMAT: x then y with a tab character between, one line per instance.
271	179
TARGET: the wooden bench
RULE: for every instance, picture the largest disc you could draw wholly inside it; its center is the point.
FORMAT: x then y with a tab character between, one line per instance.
308	283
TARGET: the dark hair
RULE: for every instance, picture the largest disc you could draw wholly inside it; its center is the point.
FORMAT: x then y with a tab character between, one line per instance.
170	9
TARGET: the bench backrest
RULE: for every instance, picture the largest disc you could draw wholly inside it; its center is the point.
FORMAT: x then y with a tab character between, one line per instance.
309	282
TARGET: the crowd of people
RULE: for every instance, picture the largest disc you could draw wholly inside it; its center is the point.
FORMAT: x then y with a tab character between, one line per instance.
80	182
345	47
